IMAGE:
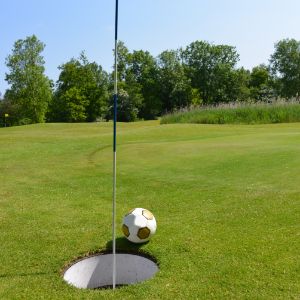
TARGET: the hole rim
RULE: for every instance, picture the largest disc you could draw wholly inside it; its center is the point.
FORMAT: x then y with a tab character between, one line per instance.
90	254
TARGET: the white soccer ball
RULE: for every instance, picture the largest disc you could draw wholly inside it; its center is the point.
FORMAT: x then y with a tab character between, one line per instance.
139	225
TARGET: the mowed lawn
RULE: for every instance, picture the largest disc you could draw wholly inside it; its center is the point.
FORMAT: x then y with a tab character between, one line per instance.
226	199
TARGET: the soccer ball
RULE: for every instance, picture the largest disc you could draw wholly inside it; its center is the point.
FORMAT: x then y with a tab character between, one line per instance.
139	225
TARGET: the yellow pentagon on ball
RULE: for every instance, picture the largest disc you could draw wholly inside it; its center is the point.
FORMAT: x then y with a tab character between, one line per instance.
147	214
125	230
143	233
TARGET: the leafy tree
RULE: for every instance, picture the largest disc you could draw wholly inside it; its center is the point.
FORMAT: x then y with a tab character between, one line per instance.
231	85
30	91
210	69
260	83
6	107
240	84
137	76
123	59
127	106
2	112
75	103
285	66
130	97
175	90
82	92
142	72
130	100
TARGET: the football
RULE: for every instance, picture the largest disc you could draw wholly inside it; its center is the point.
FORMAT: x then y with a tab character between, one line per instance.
139	225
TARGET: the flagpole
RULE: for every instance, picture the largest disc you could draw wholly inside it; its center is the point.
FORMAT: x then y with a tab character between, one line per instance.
115	151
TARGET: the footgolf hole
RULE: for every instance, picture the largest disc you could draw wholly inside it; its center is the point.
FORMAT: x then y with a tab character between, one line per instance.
96	271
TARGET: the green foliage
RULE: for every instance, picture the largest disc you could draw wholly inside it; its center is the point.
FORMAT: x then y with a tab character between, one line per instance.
30	90
6	108
261	84
122	59
285	66
211	70
200	74
142	70
175	90
258	113
128	105
196	97
82	92
238	88
75	103
137	75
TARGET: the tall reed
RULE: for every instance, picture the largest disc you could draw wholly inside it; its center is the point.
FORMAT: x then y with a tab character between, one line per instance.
279	111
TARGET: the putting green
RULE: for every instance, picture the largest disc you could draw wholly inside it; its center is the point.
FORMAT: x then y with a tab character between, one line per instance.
226	200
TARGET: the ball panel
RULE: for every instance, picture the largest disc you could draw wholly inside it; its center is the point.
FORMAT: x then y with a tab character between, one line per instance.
137	211
152	226
135	239
129	220
125	230
147	214
140	221
143	233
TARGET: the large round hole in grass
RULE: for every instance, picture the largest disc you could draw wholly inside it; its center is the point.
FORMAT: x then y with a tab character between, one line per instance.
96	271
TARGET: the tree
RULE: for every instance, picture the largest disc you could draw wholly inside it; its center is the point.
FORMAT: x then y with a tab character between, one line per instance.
2	111
74	105
123	59
81	93
210	68
260	83
30	90
285	66
142	72
231	85
127	105
137	76
175	90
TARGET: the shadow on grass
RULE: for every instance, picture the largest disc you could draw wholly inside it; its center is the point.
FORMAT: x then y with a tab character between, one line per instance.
125	247
122	244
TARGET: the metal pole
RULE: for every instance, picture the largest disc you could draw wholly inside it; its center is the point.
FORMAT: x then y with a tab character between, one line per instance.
115	151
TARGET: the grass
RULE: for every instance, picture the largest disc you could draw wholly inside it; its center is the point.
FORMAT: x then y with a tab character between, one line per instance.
226	199
238	113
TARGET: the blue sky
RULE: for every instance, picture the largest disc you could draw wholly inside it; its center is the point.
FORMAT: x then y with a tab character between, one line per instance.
69	26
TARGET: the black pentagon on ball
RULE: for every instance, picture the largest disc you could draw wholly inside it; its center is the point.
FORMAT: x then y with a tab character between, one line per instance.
125	230
143	233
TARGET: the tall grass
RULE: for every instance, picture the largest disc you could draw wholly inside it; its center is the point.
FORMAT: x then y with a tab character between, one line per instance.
238	113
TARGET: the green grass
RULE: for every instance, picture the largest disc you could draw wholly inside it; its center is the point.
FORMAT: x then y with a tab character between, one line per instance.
226	199
259	113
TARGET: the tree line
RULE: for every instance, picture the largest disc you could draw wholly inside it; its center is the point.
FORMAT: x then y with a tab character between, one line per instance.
200	74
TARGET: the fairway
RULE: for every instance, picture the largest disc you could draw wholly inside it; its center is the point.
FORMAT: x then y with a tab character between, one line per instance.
225	197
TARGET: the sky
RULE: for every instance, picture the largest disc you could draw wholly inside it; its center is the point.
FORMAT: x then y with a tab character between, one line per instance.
68	27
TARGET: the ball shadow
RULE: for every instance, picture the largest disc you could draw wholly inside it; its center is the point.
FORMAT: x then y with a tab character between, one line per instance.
122	244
